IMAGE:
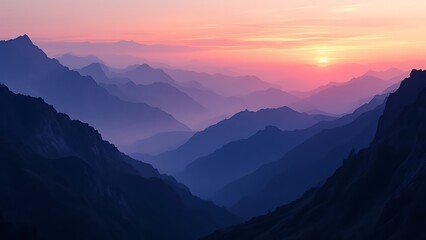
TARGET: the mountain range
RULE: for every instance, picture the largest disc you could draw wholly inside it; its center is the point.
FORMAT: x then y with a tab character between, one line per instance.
75	62
305	166
378	192
160	95
209	176
197	107
26	69
345	161
222	84
341	98
241	125
61	180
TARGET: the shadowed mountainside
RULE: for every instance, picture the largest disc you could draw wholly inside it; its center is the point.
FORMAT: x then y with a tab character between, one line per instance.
60	180
26	69
378	192
209	174
303	167
241	125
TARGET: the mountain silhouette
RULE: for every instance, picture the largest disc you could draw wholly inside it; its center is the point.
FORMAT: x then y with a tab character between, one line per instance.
269	98
75	62
390	74
97	72
378	192
209	174
26	69
303	167
341	98
241	125
160	95
164	96
219	107
61	180
220	83
142	74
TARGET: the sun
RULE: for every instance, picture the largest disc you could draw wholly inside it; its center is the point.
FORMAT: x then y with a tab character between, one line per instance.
323	61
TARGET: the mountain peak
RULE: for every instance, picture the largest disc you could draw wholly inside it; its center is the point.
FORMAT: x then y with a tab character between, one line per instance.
406	94
144	66
22	40
19	53
95	65
417	73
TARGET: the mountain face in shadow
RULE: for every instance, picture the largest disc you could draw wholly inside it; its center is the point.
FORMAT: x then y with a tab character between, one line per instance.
60	180
209	174
378	192
24	68
219	83
75	62
241	125
345	97
304	167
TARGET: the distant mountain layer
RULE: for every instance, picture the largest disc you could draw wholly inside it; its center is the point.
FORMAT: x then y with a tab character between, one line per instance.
141	74
189	101
209	174
160	95
97	72
76	62
60	180
341	98
159	143
269	98
219	83
378	192
241	125
303	167
24	68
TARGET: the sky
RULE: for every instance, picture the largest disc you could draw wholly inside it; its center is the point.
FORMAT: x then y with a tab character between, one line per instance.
270	38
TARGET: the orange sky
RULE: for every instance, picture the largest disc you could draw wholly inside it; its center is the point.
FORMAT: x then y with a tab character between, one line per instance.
237	33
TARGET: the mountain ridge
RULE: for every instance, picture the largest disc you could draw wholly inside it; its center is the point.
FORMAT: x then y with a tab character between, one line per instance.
25	68
61	180
377	193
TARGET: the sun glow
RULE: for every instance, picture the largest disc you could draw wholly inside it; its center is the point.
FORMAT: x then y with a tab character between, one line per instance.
323	60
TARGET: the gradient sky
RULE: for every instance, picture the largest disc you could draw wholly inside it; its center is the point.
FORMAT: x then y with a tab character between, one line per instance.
375	33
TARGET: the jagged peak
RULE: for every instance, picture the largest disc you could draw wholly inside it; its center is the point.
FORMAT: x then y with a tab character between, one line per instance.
417	73
23	39
22	46
406	94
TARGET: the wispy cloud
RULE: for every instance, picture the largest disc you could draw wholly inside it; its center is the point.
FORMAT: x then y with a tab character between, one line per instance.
349	8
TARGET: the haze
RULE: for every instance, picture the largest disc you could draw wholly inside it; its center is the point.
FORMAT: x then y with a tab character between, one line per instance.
295	44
